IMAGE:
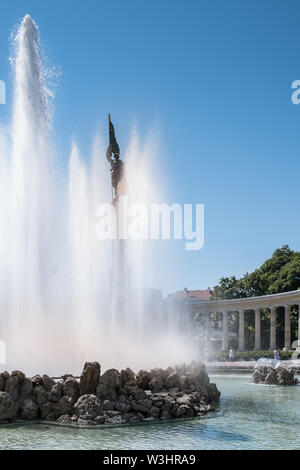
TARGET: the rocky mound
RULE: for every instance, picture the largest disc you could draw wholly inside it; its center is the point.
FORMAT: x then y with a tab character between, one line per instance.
271	376
111	398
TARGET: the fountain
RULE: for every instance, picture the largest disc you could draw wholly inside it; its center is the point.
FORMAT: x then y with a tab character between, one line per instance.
60	286
273	372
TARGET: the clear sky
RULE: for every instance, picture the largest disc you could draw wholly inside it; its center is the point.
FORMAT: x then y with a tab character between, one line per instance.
217	76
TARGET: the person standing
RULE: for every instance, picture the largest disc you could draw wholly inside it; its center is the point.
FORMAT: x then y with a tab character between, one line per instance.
231	355
276	355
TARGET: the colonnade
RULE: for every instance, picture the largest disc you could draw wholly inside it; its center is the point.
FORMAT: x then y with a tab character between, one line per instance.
286	300
257	313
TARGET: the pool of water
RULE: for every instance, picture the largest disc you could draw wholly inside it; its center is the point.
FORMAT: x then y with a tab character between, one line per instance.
250	417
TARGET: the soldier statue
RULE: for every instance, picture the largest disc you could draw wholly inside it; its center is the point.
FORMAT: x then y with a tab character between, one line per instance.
116	164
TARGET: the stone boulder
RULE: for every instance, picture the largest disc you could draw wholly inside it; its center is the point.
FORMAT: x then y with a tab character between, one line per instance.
71	387
271	377
277	376
46	410
12	386
36	380
108	385
127	377
26	389
213	392
19	374
156	384
63	406
172	381
5	376
28	409
56	392
48	383
89	378
40	395
87	407
8	408
143	379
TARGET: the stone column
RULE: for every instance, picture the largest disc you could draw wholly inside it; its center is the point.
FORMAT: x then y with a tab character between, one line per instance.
225	331
287	327
298	342
257	346
207	331
241	330
273	328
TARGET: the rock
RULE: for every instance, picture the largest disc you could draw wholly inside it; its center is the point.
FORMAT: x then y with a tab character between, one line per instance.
186	399
123	399
19	374
63	406
46	410
147	403
26	389
85	422
127	377
112	413
271	377
156	384
115	420
66	376
165	415
71	387
8	408
154	412
1	384
172	381
5	376
12	387
111	378
143	379
107	405
258	376
48	383
182	410
100	419
122	407
50	417
87	407
157	401
28	409
65	419
40	395
89	378
36	380
278	376
131	417
138	394
109	382
139	408
213	392
56	392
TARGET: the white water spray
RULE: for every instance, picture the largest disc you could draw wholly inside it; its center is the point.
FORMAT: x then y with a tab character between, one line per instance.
58	307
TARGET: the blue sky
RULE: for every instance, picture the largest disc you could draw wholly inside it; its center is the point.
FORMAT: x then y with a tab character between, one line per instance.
217	76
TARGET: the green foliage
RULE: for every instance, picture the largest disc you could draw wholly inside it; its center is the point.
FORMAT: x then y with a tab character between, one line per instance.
249	355
280	273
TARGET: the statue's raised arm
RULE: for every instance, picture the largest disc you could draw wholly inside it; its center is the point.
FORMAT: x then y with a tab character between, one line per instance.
116	164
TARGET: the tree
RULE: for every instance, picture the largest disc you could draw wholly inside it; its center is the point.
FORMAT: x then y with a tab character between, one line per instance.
280	273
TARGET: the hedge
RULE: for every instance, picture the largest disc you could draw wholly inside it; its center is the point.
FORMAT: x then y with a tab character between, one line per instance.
223	356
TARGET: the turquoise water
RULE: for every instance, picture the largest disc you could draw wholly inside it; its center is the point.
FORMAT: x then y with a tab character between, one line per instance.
250	417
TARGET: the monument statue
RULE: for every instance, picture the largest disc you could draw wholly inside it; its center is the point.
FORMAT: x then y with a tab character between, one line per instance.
116	164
